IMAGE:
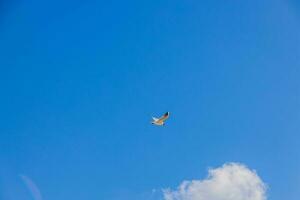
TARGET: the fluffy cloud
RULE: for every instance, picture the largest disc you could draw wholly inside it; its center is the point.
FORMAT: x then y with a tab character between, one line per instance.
230	182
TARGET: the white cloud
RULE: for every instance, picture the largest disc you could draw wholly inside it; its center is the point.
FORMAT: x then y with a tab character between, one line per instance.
230	182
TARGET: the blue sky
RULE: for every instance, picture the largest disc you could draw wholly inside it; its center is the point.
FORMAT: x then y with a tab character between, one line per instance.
81	80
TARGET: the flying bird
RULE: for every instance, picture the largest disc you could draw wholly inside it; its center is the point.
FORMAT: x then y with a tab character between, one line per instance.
160	121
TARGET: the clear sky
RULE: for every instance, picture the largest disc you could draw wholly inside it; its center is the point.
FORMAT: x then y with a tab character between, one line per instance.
80	80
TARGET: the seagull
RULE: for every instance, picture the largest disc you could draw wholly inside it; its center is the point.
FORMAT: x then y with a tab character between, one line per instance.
160	121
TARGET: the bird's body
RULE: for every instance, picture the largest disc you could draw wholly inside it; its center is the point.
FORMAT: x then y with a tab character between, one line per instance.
160	121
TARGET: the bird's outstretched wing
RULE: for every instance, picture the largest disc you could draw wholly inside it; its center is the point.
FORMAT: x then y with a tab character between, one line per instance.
154	119
164	117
